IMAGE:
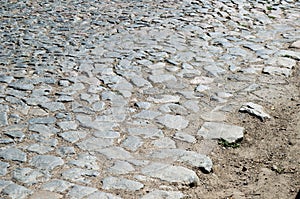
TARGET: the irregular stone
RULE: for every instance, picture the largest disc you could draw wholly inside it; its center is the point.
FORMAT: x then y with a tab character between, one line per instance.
121	183
44	130
13	154
173	108
288	53
17	135
202	80
161	78
95	144
295	44
78	192
67	125
3	119
15	191
106	134
147	114
6	78
54	106
132	143
57	186
256	110
214	70
46	162
27	175
202	88
19	85
174	122
164	143
79	175
185	137
99	194
39	148
215	130
3	168
196	160
164	99
172	174
45	195
191	105
160	194
73	136
116	153
121	167
42	120
277	71
146	132
65	151
85	160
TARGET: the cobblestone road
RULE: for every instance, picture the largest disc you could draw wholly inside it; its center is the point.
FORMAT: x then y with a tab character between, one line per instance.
124	99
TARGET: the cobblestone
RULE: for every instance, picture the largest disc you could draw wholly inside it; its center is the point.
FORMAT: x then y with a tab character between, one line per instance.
131	91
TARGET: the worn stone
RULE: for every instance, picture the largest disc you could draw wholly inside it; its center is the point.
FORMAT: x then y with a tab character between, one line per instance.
3	168
215	130
46	162
256	110
174	122
160	194
13	154
78	192
172	174
121	183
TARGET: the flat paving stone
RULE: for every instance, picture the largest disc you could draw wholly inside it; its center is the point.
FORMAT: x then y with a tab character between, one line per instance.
215	130
3	168
78	191
173	122
13	154
16	191
111	183
160	194
172	174
46	162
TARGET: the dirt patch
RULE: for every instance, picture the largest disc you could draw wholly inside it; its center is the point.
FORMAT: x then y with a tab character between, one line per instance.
265	165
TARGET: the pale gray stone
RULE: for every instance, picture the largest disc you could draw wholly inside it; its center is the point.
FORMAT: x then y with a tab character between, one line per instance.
161	78
42	120
132	143
121	183
160	194
172	174
39	148
256	110
277	71
27	175
146	132
102	195
44	130
288	53
191	105
79	175
165	142
68	125
215	130
116	153
6	78
159	99
15	191
85	160
57	185
65	151
53	106
3	119
185	137
213	116
121	167
106	134
17	135
196	160
3	168
295	44
173	108
46	162
173	122
143	105
13	154
73	136
95	144
147	114
78	192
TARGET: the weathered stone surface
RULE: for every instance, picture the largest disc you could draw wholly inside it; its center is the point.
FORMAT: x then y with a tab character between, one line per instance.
160	194
132	143
95	144
185	137
172	174
146	132
57	186
16	191
174	122
3	168
46	162
73	136
78	192
79	175
121	167
13	154
26	175
296	44
121	183
45	195
256	110
85	160
215	130
99	194
116	153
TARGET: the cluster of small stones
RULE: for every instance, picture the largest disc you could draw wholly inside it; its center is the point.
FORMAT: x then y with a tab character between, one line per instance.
124	99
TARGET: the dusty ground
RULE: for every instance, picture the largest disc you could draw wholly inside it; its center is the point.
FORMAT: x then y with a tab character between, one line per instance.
267	163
